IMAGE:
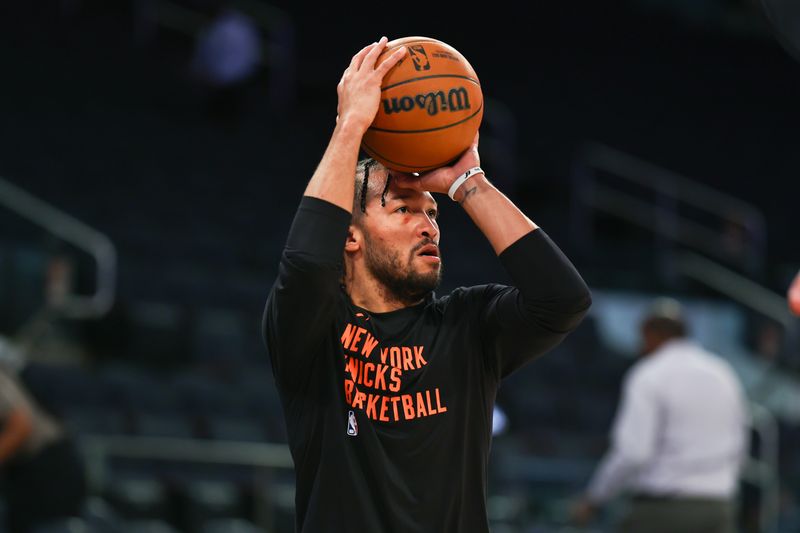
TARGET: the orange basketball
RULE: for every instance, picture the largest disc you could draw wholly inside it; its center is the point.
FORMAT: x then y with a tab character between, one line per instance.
431	107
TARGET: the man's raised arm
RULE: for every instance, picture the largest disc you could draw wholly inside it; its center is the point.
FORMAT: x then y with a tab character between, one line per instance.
548	298
359	93
301	303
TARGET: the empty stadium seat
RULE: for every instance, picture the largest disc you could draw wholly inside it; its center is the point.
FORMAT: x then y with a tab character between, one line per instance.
211	500
95	420
230	525
137	498
147	526
68	525
237	429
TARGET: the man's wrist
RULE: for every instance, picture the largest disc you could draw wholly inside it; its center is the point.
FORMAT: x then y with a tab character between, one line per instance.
460	182
470	187
351	127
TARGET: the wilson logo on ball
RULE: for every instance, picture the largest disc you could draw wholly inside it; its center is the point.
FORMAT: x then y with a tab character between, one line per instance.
430	109
456	99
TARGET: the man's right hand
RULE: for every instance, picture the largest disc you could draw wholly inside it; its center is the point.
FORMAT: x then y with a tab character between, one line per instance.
359	97
359	89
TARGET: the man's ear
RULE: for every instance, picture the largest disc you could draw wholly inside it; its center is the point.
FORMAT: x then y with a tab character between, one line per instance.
354	239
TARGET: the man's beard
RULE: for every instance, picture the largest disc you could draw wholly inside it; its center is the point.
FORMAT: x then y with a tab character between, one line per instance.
401	282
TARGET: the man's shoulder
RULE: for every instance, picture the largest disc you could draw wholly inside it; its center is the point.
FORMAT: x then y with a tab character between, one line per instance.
720	365
470	295
646	370
678	360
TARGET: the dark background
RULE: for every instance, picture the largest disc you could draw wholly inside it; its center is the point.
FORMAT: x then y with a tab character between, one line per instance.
100	117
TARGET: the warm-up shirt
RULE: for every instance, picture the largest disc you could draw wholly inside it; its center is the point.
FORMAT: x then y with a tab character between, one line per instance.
681	430
389	415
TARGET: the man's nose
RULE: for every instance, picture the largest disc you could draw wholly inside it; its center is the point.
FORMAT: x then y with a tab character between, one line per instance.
427	227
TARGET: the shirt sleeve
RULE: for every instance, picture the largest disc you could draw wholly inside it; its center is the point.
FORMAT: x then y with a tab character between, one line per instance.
633	439
302	302
548	299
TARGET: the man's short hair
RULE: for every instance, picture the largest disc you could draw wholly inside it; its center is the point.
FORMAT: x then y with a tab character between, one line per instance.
666	317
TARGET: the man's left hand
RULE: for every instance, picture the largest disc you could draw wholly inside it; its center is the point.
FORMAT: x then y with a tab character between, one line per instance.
440	179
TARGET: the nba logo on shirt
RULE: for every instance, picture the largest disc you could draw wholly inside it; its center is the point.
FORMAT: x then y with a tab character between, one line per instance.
352	424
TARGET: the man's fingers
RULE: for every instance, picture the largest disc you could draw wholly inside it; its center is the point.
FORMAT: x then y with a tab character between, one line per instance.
406	181
391	61
372	55
355	63
474	145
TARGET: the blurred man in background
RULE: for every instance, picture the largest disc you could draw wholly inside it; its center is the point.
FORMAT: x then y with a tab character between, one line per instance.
679	438
42	473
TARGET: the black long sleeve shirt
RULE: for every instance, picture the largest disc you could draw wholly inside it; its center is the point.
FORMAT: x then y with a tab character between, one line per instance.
389	415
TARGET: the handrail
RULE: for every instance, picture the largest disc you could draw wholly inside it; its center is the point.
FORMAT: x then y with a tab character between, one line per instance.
662	215
98	448
735	286
667	182
71	230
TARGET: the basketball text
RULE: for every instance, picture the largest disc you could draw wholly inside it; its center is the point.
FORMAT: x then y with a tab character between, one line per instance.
456	99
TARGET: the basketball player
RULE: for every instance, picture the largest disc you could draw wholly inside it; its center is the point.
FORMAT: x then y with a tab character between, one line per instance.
388	389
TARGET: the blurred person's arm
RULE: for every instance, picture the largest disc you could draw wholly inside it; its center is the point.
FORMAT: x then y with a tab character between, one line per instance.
16	422
17	427
632	442
302	301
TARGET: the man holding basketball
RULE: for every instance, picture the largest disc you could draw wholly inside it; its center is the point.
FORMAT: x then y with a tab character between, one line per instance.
388	389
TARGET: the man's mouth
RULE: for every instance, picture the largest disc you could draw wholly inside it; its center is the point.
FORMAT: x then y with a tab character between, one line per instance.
429	250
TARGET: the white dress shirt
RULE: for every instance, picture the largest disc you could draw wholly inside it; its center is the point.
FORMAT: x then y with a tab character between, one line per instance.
681	428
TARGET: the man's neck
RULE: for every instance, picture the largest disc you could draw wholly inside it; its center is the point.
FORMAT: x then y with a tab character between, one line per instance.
367	293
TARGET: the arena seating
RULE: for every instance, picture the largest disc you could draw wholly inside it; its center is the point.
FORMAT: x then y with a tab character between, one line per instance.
199	218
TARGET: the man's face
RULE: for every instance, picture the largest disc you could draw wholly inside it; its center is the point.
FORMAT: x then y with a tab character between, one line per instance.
652	339
401	242
649	341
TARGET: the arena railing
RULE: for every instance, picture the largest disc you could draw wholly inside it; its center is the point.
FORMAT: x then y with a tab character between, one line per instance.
735	286
99	451
70	230
664	212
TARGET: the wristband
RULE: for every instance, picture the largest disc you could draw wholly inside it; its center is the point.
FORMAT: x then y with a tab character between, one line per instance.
461	179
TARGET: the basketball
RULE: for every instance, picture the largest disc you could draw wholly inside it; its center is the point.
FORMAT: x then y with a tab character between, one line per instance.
431	107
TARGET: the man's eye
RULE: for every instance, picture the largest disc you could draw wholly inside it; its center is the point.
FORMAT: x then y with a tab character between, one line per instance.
433	213
403	209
